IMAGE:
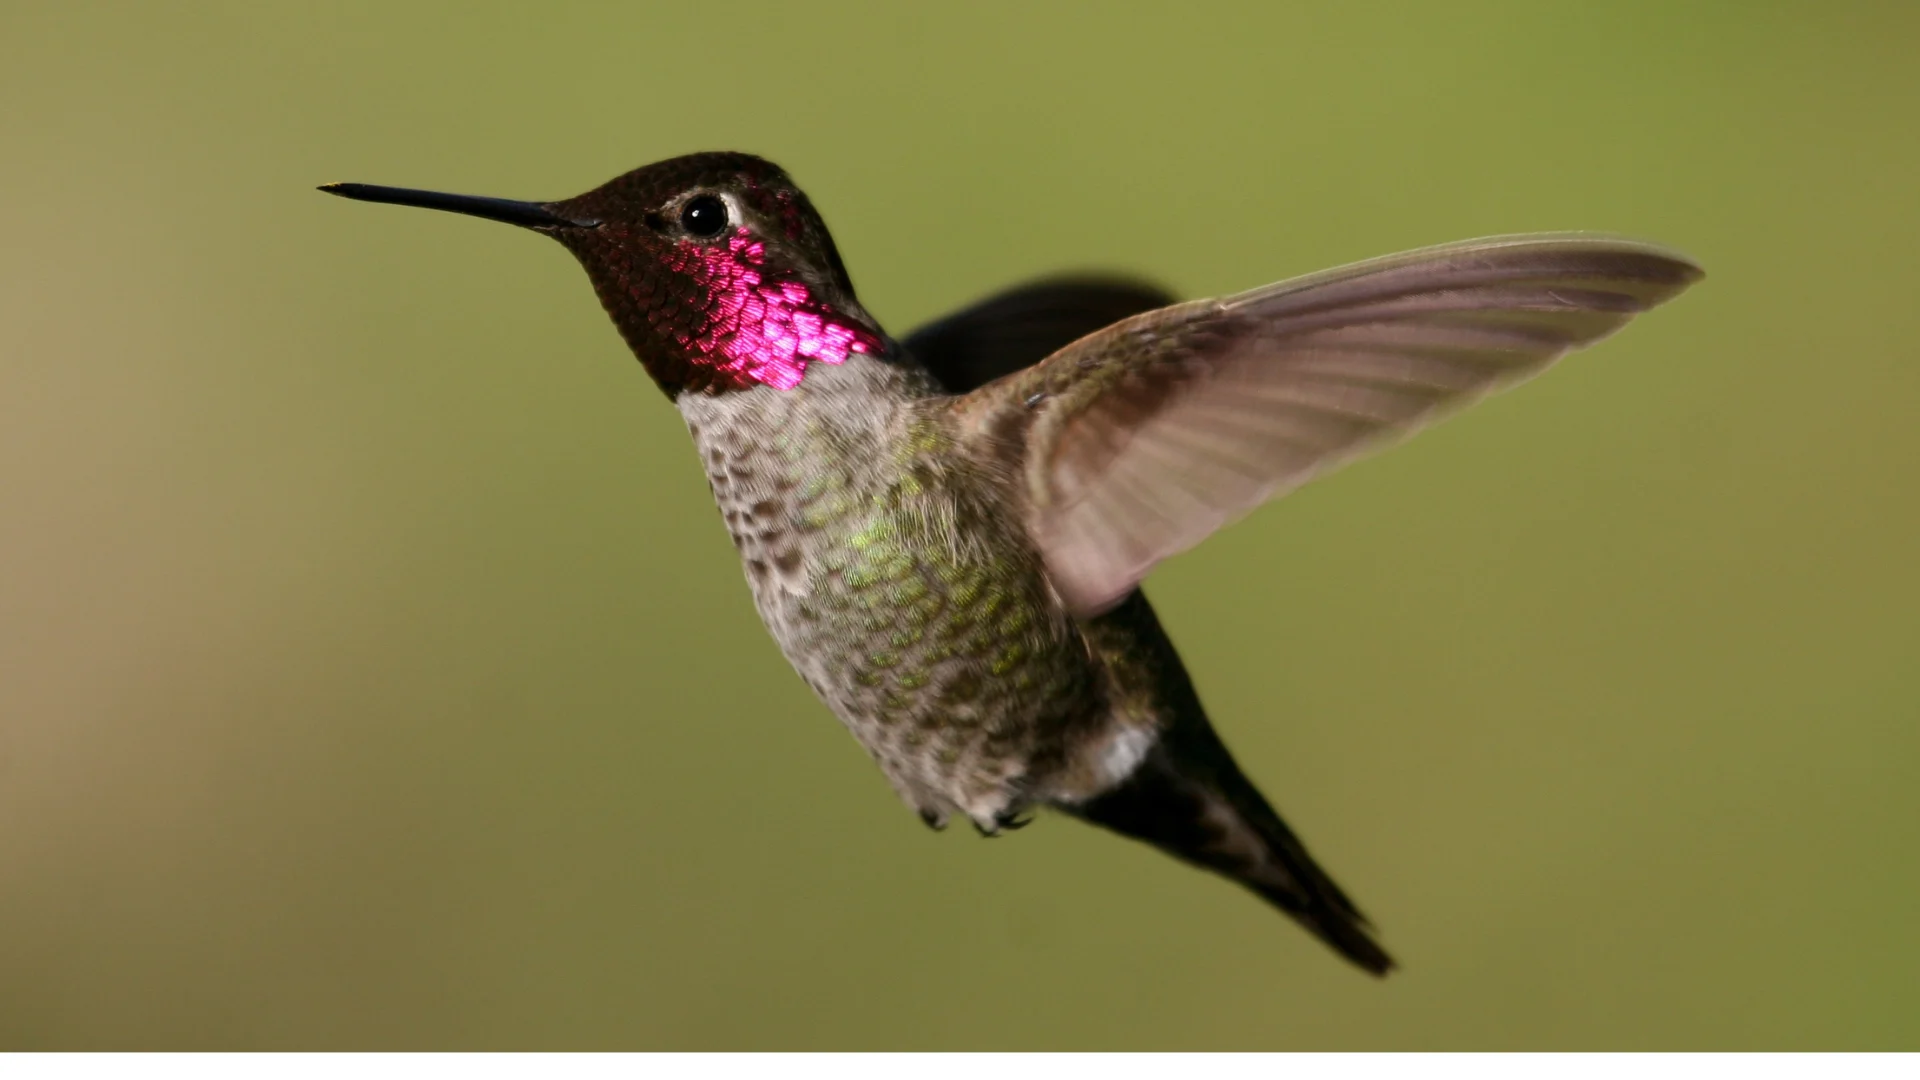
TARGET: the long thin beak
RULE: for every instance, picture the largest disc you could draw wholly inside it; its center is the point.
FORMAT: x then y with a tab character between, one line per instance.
530	215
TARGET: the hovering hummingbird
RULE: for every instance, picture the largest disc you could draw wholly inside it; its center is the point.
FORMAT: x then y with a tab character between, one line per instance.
946	534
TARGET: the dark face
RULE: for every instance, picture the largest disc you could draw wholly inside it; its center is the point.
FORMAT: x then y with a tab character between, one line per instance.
718	273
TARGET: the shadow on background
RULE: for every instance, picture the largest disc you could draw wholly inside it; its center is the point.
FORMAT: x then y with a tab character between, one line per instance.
374	671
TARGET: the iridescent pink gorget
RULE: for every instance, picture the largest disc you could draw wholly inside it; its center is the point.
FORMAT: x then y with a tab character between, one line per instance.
756	328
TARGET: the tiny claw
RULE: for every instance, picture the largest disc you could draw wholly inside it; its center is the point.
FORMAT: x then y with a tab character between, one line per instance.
934	820
1008	822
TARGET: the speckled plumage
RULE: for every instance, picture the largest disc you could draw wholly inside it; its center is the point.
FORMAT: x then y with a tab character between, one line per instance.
947	537
891	570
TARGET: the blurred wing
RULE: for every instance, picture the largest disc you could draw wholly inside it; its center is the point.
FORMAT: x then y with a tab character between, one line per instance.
1139	441
1024	325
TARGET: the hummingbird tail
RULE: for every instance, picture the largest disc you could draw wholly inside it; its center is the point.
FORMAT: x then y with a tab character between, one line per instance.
1189	799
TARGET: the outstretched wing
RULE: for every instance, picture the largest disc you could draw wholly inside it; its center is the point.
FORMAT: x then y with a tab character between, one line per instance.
1025	324
1139	441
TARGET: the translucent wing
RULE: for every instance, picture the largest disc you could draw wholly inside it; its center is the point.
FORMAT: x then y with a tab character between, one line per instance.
1139	441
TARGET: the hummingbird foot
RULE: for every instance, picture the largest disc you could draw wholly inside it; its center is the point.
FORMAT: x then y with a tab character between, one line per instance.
1005	821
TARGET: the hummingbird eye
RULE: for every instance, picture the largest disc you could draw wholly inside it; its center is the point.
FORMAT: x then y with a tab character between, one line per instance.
704	217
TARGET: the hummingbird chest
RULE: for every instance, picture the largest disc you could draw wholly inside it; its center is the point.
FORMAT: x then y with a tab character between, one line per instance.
901	586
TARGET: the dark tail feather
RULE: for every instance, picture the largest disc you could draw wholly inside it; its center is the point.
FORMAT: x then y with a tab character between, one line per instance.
1190	800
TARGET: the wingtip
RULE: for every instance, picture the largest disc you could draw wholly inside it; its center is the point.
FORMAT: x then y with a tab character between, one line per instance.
1683	268
1667	269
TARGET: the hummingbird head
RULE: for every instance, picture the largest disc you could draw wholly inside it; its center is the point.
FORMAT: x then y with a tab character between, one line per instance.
714	267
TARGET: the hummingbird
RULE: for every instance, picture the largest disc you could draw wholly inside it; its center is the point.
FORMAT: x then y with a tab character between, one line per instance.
946	533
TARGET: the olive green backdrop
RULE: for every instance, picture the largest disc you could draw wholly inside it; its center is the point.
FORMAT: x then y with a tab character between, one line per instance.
374	671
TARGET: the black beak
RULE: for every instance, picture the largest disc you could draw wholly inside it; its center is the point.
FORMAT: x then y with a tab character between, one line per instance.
531	215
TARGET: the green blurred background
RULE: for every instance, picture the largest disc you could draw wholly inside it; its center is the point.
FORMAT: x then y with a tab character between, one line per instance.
374	670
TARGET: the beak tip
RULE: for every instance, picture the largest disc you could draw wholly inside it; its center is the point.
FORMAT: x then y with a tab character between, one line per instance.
529	215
